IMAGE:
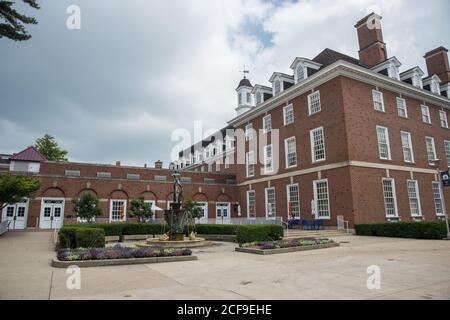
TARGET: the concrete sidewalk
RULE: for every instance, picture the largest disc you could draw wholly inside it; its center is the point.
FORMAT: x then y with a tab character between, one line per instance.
410	269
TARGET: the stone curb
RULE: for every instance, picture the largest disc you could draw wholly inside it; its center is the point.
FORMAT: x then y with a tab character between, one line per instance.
218	237
112	238
285	250
119	262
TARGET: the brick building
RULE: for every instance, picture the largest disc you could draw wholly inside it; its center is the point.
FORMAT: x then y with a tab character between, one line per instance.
339	139
342	138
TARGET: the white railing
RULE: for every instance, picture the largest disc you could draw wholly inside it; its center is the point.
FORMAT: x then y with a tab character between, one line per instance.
342	224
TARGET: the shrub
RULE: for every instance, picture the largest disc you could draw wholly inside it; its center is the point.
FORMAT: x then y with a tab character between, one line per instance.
143	228
111	229
263	232
416	230
90	238
221	229
67	238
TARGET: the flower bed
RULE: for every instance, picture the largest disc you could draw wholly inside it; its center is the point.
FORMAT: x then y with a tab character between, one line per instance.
285	246
118	252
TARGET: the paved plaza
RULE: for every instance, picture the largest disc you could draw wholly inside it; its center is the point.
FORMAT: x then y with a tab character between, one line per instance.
410	269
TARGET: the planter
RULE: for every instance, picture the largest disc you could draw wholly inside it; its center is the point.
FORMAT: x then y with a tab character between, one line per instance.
119	262
286	250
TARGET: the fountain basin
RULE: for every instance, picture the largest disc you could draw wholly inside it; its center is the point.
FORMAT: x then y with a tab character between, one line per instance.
186	243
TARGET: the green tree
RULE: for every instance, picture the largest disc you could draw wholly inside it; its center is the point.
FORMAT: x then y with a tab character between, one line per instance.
12	22
15	188
141	209
192	209
49	148
87	206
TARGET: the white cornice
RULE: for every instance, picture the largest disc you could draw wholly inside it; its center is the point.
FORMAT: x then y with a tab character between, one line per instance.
346	69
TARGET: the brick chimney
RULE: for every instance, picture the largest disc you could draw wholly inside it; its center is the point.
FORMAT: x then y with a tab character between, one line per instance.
437	64
372	49
118	163
158	164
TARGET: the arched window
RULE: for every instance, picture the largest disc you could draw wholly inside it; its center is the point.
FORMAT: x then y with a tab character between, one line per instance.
277	86
300	73
249	97
258	97
240	98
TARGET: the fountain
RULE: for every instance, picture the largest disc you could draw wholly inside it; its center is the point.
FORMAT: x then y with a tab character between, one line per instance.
176	219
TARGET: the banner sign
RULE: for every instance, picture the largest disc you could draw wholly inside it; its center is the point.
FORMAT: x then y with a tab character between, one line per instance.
445	178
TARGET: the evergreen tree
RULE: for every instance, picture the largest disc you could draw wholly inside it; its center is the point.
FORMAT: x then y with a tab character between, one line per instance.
12	22
49	148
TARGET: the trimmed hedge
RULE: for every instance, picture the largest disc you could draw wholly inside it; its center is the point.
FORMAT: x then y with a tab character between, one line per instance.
219	229
142	228
90	238
415	230
74	237
111	229
262	232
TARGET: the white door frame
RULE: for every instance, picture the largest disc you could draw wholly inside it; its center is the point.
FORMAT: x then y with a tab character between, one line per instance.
61	218
221	219
14	225
205	216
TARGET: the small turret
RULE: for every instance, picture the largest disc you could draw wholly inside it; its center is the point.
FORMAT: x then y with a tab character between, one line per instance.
244	95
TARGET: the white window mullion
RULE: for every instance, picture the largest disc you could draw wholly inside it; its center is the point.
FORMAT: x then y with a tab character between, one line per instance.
293	201
414	198
408	154
431	150
251	204
321	199
443	118
390	197
425	114
271	212
314	105
290	152
317	141
447	151
437	195
383	143
378	102
401	108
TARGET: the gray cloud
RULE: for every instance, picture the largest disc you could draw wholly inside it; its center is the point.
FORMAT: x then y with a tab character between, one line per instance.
137	70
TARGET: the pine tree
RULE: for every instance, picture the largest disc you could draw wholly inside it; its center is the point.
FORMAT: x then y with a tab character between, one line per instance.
12	22
49	148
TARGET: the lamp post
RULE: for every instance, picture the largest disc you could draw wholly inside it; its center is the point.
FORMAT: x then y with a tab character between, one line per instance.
437	163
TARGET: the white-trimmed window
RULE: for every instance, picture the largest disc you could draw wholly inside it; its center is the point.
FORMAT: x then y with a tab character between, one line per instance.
383	143
288	114
276	87
240	98
203	208
437	195
271	209
378	102
314	103
258	97
447	151
317	140
431	150
414	198
300	73
401	108
249	132
267	123
118	210
250	161
426	118
268	159
249	97
251	204
290	150
152	203
408	155
390	198
321	199
443	118
293	201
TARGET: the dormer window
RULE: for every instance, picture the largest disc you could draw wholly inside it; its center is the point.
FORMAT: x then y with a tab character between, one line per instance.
281	82
300	73
258	97
389	68
304	68
261	93
432	84
277	87
445	90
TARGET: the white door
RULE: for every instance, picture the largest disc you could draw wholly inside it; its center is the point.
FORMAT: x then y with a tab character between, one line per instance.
16	214
203	206
52	213
223	213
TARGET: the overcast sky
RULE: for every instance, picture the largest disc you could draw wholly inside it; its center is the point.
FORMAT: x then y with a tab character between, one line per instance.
139	69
